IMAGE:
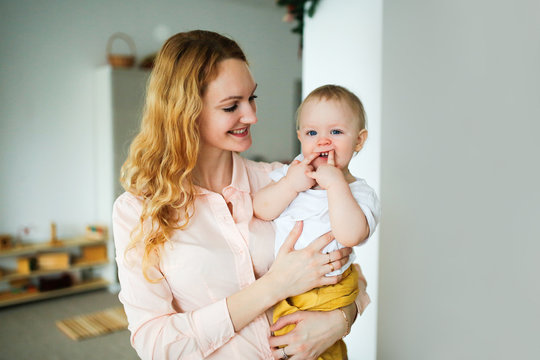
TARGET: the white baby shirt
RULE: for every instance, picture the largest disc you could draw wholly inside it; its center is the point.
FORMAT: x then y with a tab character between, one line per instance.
311	206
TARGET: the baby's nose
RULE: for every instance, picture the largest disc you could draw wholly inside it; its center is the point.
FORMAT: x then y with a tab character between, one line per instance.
323	140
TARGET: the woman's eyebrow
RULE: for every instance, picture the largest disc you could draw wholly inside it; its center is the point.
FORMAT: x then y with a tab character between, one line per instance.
233	97
236	97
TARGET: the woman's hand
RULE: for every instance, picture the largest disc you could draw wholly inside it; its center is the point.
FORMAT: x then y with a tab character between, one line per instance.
297	271
308	339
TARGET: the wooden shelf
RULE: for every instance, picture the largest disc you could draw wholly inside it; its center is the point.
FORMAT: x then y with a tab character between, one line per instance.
64	246
37	273
28	249
7	299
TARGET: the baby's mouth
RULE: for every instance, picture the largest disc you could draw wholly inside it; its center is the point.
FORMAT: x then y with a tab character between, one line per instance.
324	154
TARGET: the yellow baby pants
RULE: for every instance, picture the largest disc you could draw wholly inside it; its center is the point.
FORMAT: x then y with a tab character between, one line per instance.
325	298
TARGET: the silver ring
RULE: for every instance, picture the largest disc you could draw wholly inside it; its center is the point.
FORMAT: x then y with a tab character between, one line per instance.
285	356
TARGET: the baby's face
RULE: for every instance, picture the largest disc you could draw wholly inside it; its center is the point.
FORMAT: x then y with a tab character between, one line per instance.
326	125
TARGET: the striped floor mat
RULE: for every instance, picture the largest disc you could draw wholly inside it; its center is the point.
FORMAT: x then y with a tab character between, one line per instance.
95	324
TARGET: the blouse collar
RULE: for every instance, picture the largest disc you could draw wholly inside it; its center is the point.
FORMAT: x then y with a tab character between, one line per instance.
240	180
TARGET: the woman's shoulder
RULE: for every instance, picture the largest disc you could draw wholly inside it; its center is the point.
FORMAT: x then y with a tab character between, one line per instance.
261	166
258	172
128	198
127	205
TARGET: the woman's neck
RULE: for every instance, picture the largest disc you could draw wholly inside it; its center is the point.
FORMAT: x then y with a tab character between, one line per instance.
214	170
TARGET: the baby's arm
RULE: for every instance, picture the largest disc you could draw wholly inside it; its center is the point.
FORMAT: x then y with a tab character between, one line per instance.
348	222
271	200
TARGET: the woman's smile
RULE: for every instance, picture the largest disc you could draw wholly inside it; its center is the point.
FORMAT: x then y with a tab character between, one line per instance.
239	132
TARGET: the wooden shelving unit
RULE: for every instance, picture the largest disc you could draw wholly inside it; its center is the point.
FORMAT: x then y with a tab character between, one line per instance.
7	299
14	296
29	249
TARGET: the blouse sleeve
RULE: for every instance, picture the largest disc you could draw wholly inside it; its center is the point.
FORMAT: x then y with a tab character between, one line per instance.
362	300
158	331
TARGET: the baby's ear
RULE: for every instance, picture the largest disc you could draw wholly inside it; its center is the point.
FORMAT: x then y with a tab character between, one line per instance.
361	140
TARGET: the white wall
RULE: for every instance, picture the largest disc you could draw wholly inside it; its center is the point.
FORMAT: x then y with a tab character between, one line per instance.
48	52
342	45
460	236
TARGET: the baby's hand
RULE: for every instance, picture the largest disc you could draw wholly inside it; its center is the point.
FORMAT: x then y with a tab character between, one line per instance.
297	174
328	174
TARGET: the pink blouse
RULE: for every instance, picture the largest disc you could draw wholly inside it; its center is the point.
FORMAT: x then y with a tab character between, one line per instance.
185	315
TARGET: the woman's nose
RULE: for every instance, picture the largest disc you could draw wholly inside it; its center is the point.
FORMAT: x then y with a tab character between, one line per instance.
249	116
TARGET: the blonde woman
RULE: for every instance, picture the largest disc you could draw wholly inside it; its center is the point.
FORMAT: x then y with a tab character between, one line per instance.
196	268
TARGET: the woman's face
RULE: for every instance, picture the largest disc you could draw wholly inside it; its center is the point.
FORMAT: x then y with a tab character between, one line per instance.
228	108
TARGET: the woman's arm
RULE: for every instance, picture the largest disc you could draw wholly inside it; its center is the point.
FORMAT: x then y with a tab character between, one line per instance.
160	330
293	273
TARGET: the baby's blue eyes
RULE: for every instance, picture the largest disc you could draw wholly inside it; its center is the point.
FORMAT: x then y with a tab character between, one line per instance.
332	132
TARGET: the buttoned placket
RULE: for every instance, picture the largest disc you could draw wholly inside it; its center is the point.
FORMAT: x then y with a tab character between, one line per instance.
242	203
232	234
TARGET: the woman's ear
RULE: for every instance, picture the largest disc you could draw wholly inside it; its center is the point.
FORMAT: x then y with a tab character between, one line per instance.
361	140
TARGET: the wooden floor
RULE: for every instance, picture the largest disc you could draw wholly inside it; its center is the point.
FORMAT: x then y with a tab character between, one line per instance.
28	331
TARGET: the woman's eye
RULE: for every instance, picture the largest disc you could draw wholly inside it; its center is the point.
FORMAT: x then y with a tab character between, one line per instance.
336	132
311	133
231	108
253	97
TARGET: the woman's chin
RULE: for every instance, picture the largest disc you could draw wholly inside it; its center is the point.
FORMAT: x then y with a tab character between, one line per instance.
244	146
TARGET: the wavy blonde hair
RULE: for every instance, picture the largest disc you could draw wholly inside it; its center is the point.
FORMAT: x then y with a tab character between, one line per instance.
159	167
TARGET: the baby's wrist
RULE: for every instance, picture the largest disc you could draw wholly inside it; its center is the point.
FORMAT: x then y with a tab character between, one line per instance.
289	184
336	184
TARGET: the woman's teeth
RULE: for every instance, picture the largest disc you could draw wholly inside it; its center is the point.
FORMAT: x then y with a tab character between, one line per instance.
237	132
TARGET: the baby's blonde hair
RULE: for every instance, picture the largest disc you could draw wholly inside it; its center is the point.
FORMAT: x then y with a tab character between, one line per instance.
336	92
159	167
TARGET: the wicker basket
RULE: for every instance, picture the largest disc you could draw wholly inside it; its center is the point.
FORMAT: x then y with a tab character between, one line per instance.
121	60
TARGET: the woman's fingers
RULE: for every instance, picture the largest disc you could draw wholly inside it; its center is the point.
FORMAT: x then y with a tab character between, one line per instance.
279	353
283	321
288	244
340	254
323	240
282	341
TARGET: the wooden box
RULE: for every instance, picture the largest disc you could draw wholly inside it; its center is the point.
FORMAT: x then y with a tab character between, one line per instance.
53	261
5	242
54	282
94	253
26	264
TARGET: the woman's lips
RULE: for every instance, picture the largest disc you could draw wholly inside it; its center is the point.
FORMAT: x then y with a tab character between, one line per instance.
239	132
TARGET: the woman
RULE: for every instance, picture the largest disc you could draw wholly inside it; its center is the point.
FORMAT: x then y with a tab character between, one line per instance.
195	266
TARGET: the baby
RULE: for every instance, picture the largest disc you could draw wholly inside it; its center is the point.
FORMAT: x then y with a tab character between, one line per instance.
318	189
